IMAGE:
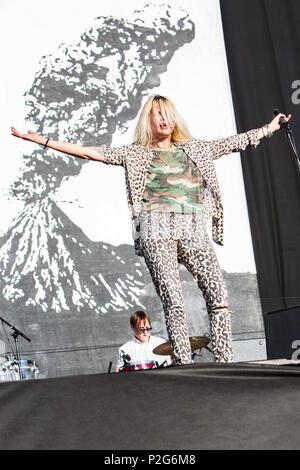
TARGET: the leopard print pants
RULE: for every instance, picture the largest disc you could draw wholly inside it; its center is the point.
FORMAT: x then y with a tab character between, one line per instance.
169	239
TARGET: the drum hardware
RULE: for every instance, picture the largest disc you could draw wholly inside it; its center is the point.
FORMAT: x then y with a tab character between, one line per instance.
208	349
163	364
196	342
9	370
129	366
16	333
194	353
143	365
126	362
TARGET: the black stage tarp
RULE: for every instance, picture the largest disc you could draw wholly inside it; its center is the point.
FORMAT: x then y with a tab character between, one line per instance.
202	406
262	39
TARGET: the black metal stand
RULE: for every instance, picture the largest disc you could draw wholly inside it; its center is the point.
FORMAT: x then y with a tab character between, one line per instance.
290	137
289	134
199	355
15	335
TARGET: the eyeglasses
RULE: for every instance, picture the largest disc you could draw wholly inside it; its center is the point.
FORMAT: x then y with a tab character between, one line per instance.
143	330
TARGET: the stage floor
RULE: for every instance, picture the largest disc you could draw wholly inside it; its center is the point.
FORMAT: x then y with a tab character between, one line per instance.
200	406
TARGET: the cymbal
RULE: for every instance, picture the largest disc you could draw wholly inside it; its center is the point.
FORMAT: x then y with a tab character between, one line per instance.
196	342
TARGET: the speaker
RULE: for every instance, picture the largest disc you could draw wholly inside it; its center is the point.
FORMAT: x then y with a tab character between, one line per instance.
282	328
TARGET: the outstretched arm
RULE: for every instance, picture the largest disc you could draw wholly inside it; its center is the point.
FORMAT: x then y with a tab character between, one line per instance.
239	142
65	147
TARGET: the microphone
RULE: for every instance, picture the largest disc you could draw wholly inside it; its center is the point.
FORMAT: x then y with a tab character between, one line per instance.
282	122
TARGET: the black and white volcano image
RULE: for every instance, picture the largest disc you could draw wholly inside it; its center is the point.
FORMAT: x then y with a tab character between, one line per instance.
51	266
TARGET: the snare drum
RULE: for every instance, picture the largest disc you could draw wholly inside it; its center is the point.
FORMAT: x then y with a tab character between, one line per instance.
143	365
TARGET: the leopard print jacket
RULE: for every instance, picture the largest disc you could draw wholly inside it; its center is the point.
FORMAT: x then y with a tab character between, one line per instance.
136	160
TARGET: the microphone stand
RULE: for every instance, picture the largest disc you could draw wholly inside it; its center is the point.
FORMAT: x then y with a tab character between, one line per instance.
15	335
290	137
289	134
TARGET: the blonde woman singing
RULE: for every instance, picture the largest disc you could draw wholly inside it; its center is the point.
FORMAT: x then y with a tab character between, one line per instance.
172	191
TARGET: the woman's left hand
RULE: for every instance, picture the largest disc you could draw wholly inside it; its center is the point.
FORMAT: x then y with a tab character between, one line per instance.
274	124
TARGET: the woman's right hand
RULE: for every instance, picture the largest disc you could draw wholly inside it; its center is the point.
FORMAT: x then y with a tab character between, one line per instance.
75	150
31	136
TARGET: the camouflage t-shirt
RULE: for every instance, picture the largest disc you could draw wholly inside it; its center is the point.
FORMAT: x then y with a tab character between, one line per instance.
174	184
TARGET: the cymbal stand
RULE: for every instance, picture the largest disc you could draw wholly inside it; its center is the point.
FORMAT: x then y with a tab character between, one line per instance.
16	333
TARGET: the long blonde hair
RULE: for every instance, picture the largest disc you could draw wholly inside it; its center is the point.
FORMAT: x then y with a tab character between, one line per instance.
143	134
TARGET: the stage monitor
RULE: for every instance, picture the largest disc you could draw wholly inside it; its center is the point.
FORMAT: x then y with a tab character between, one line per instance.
282	329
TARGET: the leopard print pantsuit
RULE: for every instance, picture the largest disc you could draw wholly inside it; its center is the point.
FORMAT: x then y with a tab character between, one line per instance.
169	239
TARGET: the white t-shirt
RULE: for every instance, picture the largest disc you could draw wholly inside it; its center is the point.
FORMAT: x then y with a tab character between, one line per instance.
140	354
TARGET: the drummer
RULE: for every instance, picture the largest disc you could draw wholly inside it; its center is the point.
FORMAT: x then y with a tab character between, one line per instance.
137	353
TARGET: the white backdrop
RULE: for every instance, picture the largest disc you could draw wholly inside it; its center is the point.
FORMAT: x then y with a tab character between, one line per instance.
196	80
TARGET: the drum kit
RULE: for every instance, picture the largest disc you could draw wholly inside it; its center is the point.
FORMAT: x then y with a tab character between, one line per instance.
164	349
13	367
